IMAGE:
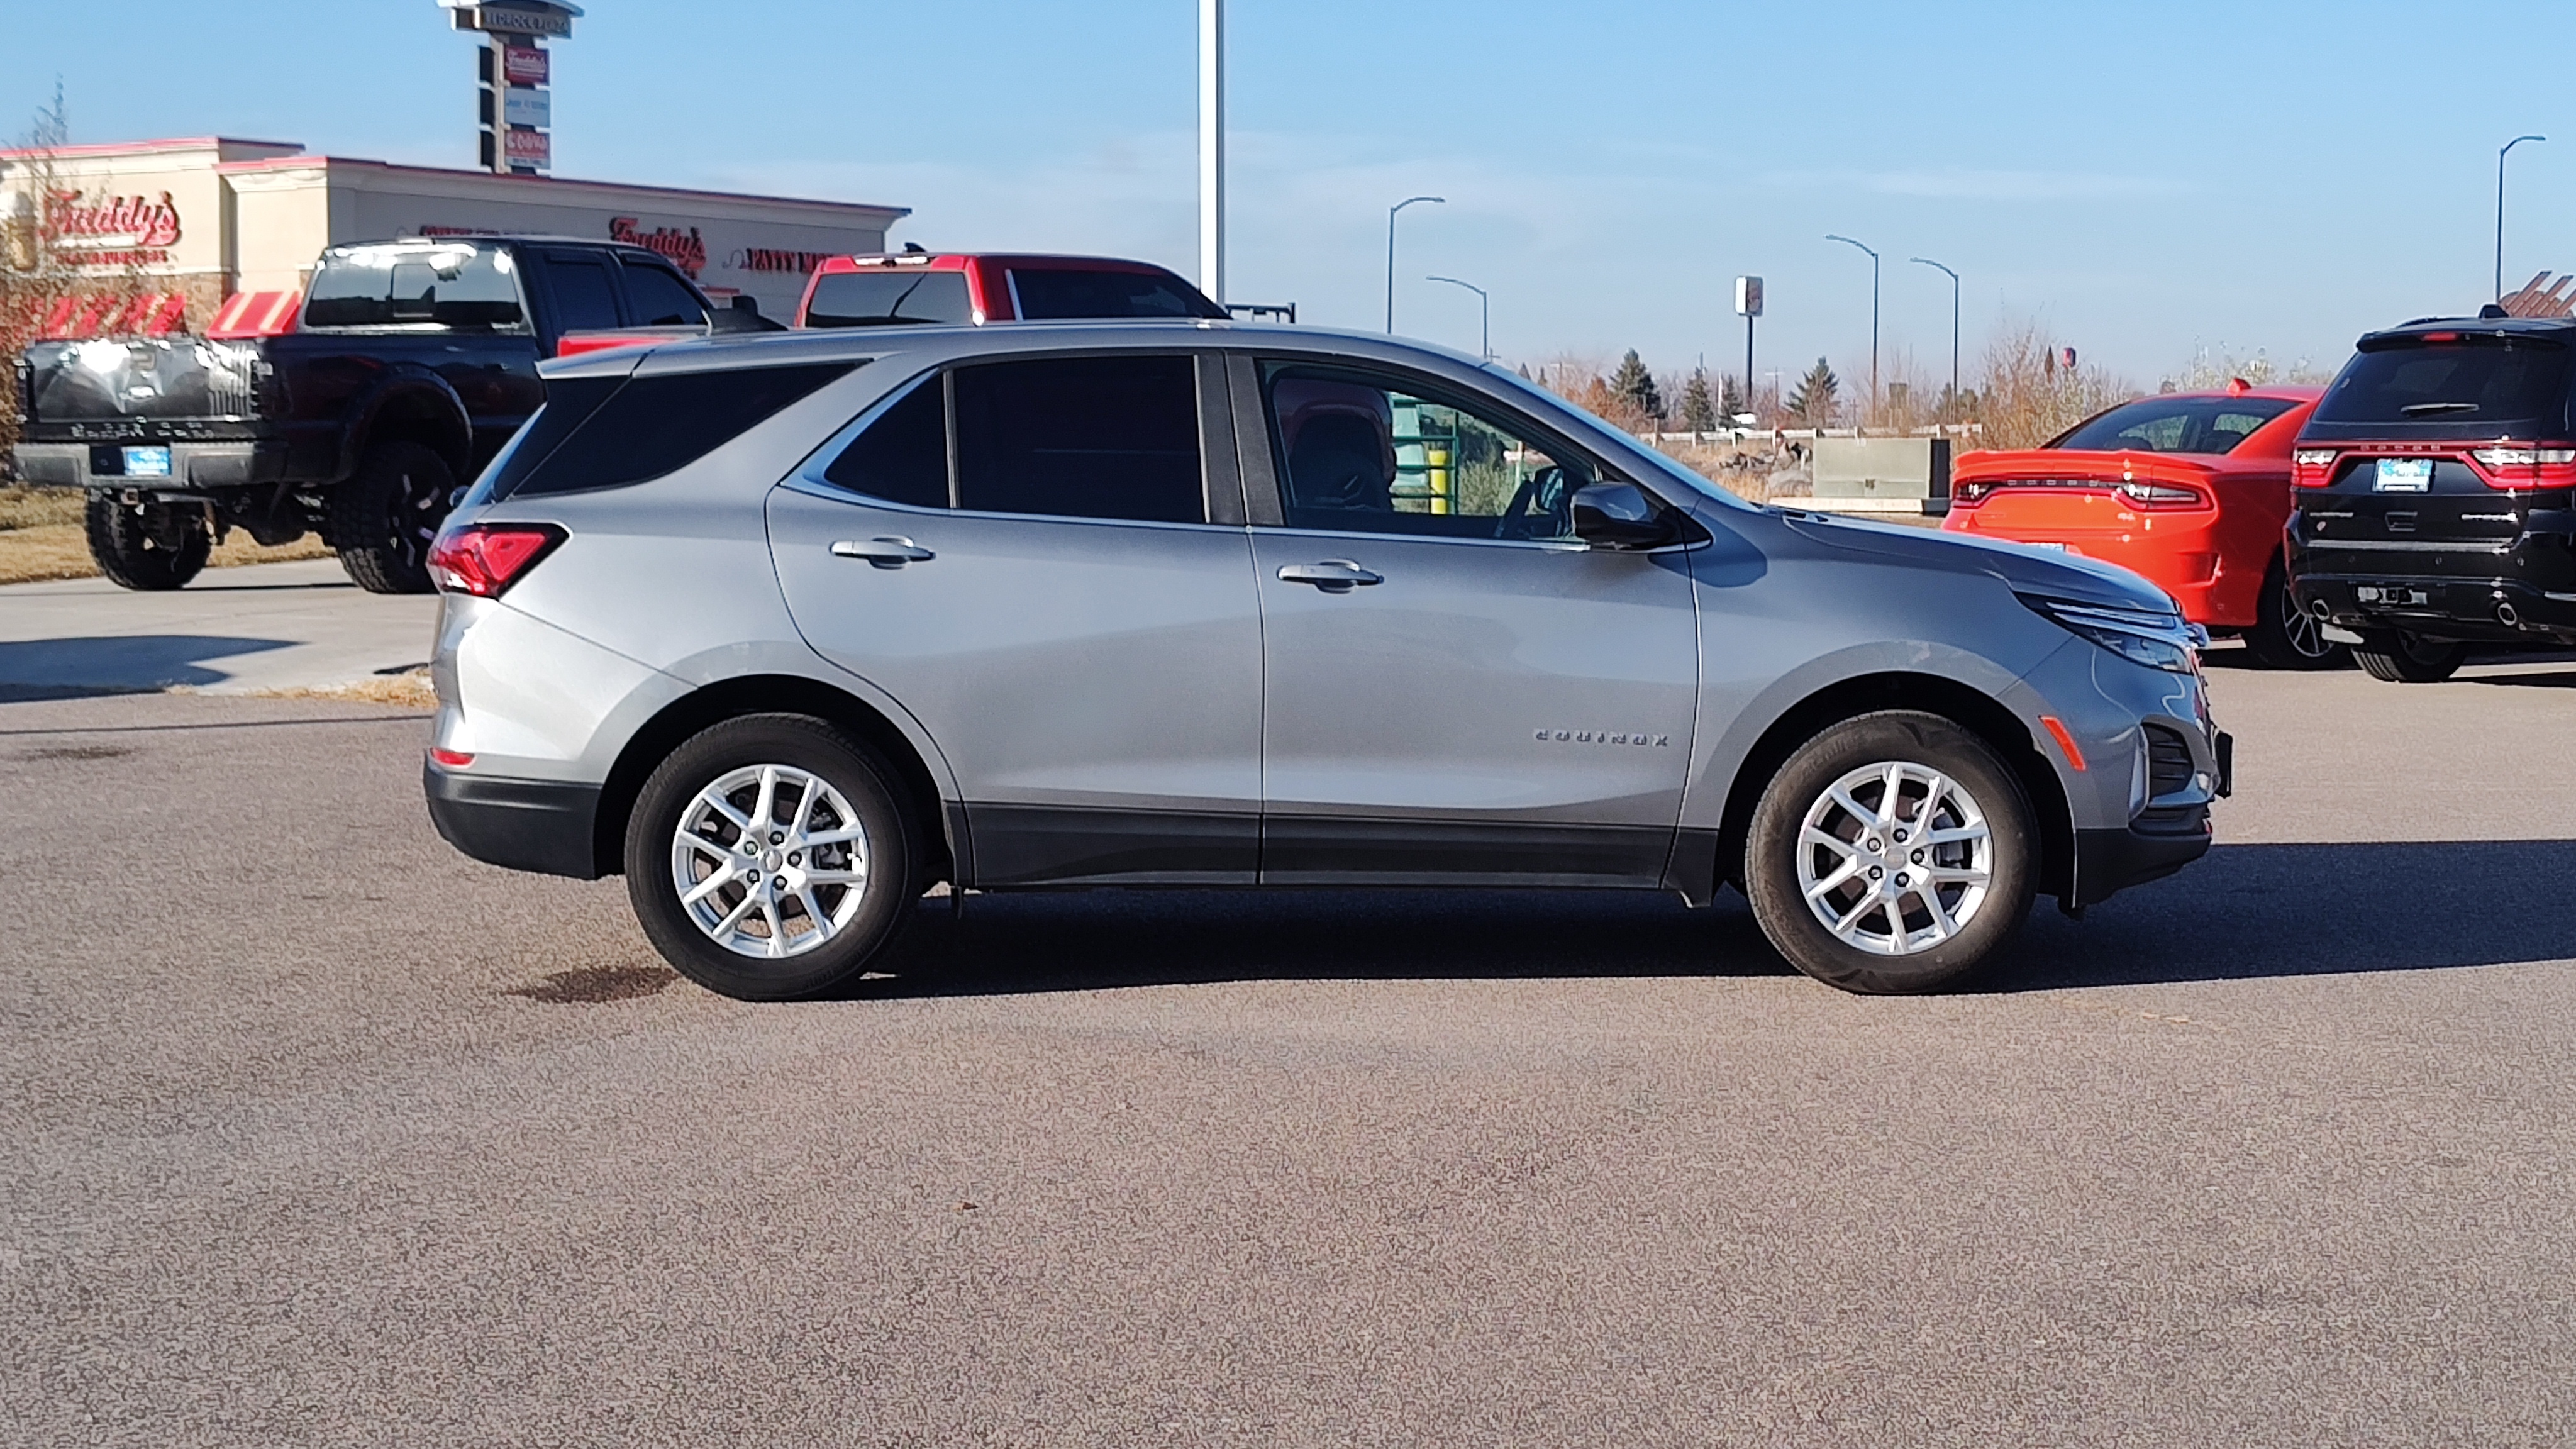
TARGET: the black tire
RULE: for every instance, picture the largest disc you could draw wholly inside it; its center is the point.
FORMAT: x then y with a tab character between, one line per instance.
890	859
1774	844
2286	636
2406	659
150	546
383	516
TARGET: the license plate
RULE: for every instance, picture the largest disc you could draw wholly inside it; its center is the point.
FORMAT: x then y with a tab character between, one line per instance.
147	462
2404	475
2053	547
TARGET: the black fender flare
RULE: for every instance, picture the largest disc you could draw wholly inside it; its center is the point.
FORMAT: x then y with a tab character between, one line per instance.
450	431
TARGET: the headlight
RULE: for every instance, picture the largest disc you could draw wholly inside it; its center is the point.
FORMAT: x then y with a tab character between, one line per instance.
2158	641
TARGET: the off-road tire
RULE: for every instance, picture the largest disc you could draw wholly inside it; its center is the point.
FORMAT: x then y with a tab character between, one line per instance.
383	517
132	544
2406	659
1771	877
2285	636
894	846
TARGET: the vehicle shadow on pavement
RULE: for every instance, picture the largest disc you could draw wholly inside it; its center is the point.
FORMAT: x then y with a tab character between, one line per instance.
2246	911
2302	910
1097	940
79	668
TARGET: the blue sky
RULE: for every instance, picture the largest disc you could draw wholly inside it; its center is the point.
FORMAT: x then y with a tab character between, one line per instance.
2145	180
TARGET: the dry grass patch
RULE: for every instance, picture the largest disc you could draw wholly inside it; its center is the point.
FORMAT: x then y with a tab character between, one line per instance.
41	538
408	690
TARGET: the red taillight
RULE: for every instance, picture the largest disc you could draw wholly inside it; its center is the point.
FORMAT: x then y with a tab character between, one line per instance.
486	558
2517	465
2312	467
1969	495
2143	494
452	759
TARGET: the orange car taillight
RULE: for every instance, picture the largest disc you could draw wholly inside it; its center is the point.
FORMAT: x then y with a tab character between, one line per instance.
2516	466
2312	467
2162	495
1969	495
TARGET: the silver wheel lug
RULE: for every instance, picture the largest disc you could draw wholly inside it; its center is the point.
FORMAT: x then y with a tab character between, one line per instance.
777	837
795	857
1871	843
1875	872
1918	857
778	883
1900	877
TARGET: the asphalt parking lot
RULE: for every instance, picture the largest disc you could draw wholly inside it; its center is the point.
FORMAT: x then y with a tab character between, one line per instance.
318	1133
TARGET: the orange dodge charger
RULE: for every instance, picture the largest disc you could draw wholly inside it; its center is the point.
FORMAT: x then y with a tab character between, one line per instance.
2191	489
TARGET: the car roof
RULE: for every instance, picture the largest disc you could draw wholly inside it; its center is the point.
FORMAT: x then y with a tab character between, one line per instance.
957	261
2278	392
2556	328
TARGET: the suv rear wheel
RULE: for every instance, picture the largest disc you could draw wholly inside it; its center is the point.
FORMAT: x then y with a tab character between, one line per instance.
2284	635
769	857
383	517
149	546
1891	853
2406	659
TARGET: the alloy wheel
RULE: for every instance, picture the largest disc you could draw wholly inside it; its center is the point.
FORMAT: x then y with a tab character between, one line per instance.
1895	858
770	861
2304	632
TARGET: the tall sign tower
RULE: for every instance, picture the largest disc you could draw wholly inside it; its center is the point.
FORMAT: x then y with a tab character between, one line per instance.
513	73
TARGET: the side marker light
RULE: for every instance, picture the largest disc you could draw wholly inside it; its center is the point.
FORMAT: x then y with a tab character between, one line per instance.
2057	731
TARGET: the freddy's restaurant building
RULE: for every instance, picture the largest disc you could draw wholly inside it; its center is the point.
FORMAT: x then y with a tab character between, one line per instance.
221	235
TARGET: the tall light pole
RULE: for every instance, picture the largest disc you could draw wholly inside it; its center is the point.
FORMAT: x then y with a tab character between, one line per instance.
1954	324
1390	252
1873	315
1484	306
1212	149
2500	155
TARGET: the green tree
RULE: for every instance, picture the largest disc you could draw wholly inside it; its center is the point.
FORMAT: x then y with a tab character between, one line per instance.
1634	385
1731	401
1699	412
1813	403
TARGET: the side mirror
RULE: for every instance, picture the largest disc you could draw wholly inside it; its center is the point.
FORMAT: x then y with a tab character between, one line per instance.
1619	516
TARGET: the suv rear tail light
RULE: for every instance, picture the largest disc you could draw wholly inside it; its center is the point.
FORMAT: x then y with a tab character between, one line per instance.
486	558
2312	467
2516	466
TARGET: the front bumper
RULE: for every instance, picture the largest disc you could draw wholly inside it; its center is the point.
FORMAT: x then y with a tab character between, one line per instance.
2110	861
193	466
547	826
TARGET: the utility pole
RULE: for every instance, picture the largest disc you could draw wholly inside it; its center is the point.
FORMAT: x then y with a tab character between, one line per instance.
1484	307
1212	149
1390	252
1954	325
1873	316
2500	155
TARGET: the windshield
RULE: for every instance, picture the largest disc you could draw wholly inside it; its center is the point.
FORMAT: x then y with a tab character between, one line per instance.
888	299
415	284
1041	294
2204	425
2485	380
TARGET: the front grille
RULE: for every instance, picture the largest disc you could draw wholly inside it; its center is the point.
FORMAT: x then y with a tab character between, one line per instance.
2168	762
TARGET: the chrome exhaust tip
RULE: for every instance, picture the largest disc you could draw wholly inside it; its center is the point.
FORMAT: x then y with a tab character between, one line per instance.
2508	617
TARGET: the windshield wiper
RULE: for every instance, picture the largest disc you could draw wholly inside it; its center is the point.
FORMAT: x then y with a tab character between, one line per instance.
2411	409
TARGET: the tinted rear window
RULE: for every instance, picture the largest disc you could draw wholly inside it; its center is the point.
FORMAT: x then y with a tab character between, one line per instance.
1087	437
2176	425
1043	294
660	299
2484	380
888	299
647	427
415	285
903	455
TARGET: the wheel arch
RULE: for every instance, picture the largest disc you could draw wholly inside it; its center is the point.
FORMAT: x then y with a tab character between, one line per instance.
769	694
1972	709
411	407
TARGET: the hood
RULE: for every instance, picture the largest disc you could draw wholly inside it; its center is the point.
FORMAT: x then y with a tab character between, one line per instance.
2021	568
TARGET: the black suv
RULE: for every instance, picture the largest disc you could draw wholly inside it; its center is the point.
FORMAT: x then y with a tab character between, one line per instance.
2432	502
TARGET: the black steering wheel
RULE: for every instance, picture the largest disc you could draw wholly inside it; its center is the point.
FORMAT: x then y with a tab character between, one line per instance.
1544	496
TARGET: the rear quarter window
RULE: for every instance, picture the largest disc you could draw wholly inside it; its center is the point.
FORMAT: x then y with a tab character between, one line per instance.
1043	294
646	427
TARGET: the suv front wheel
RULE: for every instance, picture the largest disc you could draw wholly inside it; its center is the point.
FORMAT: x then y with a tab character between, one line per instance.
1891	853
770	858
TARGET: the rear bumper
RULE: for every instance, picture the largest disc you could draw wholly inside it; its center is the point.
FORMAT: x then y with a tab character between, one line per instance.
2182	555
193	466
545	826
2487	611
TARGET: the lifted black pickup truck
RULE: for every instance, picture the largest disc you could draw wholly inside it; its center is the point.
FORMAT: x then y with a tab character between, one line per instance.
412	363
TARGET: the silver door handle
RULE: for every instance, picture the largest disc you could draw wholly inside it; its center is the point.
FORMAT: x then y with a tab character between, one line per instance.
884	553
1333	575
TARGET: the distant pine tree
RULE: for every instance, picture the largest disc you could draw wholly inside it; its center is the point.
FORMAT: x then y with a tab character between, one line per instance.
1634	385
1731	401
1813	403
1699	413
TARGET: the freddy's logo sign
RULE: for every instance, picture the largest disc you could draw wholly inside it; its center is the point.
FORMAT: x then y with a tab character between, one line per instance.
115	221
685	248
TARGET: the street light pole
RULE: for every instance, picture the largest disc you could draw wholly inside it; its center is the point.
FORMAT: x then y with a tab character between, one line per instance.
1485	307
1954	325
1212	150
1873	316
2499	260
1390	252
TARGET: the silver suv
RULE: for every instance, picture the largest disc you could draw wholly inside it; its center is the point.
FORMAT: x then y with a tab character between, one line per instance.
790	628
